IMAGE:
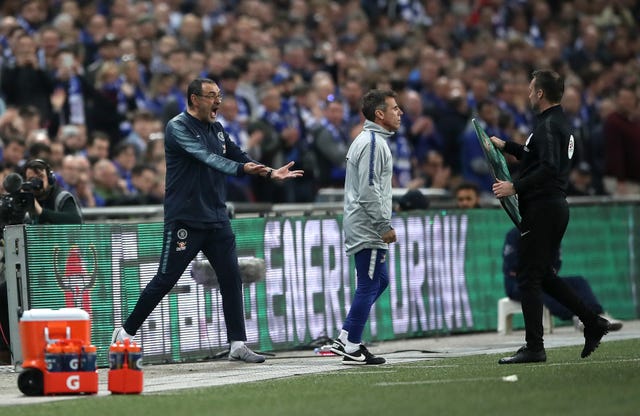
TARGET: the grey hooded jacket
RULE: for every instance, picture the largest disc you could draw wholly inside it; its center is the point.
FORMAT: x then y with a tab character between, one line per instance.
367	196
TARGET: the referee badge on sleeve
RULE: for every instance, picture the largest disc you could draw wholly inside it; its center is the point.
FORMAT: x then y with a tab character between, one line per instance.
572	146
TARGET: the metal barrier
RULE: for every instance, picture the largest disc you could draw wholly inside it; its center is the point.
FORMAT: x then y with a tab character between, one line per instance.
329	203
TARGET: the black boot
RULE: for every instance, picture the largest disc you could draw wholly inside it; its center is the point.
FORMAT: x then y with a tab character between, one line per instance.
525	355
593	334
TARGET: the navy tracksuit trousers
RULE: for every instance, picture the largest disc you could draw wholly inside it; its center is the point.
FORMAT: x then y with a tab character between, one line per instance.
180	245
372	278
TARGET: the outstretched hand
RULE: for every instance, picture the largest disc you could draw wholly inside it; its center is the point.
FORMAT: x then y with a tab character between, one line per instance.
284	173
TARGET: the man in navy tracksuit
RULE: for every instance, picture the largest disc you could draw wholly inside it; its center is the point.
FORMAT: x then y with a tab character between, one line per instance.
541	188
199	155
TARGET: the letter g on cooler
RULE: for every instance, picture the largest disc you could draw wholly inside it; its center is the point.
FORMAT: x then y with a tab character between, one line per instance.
73	382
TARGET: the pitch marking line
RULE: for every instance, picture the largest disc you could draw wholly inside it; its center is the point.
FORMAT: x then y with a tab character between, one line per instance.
441	381
627	360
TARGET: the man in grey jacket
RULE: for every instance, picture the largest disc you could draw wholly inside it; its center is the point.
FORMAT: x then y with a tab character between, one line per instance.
367	218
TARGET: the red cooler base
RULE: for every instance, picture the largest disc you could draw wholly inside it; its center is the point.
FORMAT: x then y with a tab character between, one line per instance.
80	382
125	381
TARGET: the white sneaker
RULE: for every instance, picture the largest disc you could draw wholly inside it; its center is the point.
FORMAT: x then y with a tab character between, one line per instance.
614	324
119	335
243	353
577	324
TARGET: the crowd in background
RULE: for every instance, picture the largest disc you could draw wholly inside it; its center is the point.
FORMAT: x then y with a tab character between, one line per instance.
89	86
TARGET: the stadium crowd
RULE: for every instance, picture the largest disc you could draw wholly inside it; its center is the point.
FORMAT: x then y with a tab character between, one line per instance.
89	86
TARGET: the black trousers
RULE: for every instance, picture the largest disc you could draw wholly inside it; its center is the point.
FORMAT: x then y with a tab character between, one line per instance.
180	245
542	228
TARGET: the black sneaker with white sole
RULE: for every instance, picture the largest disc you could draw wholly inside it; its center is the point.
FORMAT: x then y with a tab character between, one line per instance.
361	357
338	347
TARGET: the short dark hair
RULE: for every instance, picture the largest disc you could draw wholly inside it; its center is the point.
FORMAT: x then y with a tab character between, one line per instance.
551	84
375	100
122	147
98	135
468	186
195	87
139	168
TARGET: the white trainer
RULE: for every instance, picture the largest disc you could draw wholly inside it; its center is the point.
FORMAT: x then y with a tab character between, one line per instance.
243	353
119	335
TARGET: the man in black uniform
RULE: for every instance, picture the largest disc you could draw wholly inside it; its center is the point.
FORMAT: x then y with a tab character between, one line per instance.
545	165
199	157
51	205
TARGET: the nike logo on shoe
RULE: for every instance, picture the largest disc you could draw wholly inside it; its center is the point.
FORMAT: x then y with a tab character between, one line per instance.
339	348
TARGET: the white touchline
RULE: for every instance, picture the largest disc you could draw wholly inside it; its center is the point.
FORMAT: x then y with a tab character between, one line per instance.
444	380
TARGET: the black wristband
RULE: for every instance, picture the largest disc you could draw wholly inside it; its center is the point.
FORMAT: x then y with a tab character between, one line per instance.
269	173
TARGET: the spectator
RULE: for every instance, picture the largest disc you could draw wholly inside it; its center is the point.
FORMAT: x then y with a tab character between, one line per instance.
432	172
67	176
57	154
239	188
352	92
290	146
420	128
78	102
33	13
229	79
32	121
467	196
13	153
124	159
622	149
39	150
98	147
50	42
73	138
109	187
330	143
144	179
108	51
475	167
25	83
581	181
412	200
155	148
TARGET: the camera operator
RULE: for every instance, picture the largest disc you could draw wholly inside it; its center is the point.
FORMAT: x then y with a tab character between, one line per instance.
51	205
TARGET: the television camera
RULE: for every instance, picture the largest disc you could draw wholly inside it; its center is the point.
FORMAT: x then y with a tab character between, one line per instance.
18	199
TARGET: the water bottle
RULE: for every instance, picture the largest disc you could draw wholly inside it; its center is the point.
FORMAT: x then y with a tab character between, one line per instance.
53	357
324	350
116	356
134	360
88	358
71	357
